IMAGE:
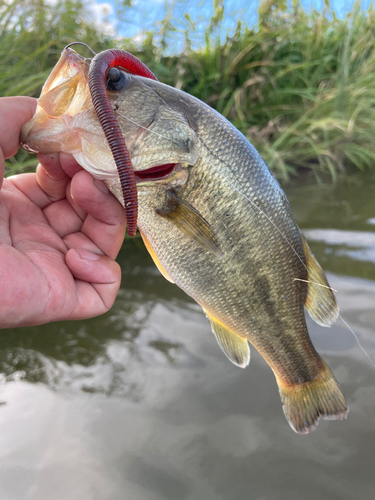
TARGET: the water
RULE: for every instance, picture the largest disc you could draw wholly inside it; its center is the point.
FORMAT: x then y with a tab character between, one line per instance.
142	404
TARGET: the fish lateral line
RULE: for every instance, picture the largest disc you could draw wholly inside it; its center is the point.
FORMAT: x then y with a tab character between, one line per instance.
273	224
266	216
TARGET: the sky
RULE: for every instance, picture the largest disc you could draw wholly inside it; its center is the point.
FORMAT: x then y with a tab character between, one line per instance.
146	14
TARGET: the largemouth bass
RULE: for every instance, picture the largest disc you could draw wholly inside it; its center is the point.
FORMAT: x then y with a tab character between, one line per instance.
214	219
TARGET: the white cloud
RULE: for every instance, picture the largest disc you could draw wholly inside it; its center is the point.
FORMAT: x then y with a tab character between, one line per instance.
101	12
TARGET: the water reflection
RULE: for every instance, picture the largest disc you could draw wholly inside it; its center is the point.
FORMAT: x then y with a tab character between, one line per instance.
142	404
118	352
358	245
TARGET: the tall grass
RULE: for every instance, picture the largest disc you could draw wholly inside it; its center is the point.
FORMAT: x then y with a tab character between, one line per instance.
299	85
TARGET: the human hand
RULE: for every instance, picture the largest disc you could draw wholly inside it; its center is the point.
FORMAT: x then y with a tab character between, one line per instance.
60	231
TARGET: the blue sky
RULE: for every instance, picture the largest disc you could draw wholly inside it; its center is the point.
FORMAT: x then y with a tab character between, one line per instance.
146	14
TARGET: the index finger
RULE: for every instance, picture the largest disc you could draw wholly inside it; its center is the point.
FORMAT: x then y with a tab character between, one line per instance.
49	183
53	174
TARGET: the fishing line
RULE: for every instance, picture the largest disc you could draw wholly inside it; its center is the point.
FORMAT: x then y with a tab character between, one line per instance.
266	216
315	283
229	182
290	245
357	339
244	196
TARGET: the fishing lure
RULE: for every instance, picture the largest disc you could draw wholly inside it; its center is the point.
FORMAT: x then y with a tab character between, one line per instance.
104	74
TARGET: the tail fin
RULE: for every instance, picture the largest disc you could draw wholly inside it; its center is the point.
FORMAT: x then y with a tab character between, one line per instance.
305	403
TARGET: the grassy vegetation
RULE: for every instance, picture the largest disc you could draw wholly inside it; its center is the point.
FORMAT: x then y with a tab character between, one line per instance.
32	35
299	85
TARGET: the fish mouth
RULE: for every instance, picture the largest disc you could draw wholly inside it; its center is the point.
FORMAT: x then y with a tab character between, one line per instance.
160	172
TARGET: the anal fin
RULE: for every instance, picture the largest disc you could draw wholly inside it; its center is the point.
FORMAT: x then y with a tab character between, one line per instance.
234	347
320	301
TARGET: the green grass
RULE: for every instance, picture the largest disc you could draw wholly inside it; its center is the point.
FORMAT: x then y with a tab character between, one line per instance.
299	85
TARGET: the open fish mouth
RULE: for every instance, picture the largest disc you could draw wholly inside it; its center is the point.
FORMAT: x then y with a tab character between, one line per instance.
159	172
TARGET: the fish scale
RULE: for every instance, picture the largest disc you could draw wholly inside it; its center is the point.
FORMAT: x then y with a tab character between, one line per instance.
217	224
229	306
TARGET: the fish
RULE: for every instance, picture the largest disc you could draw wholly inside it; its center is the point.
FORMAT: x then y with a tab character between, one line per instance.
214	219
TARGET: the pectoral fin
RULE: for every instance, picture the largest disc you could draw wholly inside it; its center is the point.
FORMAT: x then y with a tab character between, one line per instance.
190	222
234	347
320	301
155	259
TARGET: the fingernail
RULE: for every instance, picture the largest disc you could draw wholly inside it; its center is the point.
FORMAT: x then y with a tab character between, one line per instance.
101	186
86	255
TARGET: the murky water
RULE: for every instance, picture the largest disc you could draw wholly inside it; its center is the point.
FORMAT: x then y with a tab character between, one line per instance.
142	404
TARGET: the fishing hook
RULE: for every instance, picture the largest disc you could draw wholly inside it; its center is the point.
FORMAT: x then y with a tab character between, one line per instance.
81	43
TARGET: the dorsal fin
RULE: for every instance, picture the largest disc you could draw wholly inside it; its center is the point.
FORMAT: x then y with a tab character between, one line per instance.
190	222
234	347
320	301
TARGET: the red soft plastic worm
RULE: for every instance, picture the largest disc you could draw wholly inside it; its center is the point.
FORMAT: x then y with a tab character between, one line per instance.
99	67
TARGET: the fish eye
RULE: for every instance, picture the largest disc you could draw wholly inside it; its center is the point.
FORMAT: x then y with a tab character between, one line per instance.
116	79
